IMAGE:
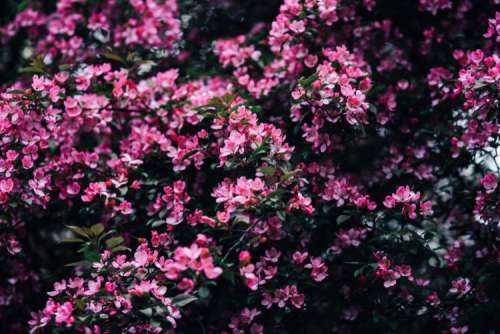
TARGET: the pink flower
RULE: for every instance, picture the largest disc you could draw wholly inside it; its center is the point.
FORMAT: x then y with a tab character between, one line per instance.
186	284
244	257
64	314
319	270
389	202
61	77
234	144
140	258
298	26
125	208
212	272
460	286
405	195
251	279
489	182
390	278
459	330
73	188
93	287
12	155
299	257
27	162
110	287
38	83
72	107
6	185
58	288
426	208
311	60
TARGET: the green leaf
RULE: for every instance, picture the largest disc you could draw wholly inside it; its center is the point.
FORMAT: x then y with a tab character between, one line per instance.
148	312
342	219
269	170
16	91
281	215
163	213
309	80
83	263
260	150
97	229
154	323
22	5
183	299
189	154
64	67
72	240
91	254
229	275
159	222
113	242
228	98
119	249
359	271
113	56
32	69
79	230
80	304
203	292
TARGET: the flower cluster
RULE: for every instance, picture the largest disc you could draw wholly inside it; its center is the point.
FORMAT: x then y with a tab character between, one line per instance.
335	92
408	201
118	284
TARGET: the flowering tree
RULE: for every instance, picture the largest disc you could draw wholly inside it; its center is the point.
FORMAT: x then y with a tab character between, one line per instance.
305	166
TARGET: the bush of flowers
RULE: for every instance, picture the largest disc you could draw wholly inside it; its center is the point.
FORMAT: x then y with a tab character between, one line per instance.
296	166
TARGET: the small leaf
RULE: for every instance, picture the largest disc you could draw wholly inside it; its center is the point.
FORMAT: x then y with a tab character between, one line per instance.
269	170
148	312
163	213
64	67
119	249
80	304
189	154
83	263
183	299
123	191
78	230
91	254
204	292
72	240
227	99
158	222
113	56
97	229
22	5
113	242
309	80
359	271
281	215
32	69
342	219
154	323
16	91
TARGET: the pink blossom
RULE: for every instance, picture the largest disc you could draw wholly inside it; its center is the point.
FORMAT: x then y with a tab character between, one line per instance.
489	182
72	107
6	185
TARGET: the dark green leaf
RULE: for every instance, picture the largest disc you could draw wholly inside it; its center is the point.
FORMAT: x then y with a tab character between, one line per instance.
113	242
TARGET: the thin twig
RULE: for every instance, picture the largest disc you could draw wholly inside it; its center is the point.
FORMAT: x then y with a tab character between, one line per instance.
240	240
